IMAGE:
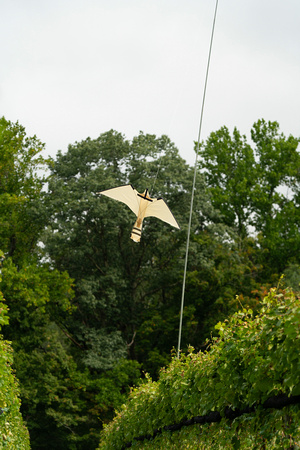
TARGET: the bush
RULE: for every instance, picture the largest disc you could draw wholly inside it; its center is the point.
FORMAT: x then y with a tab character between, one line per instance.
251	366
13	434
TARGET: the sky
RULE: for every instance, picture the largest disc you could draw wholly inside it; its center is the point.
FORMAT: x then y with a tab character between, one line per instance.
72	69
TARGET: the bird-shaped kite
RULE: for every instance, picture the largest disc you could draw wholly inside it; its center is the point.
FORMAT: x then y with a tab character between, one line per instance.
142	206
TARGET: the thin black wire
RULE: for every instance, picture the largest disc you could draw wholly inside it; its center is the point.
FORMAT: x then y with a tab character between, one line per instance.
194	181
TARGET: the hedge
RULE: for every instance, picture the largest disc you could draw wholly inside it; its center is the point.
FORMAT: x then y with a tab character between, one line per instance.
13	433
242	380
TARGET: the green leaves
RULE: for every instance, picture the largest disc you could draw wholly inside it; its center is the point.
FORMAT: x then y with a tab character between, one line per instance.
244	182
230	175
256	190
20	188
100	299
119	285
13	433
239	370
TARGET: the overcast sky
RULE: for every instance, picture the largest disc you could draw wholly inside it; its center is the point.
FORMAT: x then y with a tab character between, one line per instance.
77	68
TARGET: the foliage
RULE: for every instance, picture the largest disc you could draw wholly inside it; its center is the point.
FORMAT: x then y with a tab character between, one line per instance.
127	295
13	433
58	396
257	190
254	358
21	217
89	308
61	397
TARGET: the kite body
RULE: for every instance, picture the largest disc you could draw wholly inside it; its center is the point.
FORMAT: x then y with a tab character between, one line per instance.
142	206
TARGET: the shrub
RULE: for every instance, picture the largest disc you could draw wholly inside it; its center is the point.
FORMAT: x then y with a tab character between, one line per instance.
249	371
13	433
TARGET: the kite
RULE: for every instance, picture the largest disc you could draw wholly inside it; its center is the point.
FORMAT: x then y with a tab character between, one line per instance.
142	206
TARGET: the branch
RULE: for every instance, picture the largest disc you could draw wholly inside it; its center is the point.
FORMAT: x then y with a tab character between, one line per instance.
70	337
276	402
132	340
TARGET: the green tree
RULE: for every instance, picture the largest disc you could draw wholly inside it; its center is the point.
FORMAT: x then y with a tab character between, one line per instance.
257	190
21	165
117	281
230	173
63	403
276	200
77	356
128	295
14	434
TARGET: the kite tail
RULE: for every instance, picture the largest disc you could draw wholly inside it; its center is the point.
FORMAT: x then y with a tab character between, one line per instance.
137	231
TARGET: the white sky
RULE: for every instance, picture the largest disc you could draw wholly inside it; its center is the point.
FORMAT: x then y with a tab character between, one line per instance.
77	68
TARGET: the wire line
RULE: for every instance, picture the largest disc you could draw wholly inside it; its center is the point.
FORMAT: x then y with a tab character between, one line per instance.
194	182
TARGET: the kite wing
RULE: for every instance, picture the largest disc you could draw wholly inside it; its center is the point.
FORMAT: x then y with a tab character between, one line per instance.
159	209
125	194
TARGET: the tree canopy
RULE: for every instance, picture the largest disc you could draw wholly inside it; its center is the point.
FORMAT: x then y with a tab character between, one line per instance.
124	291
257	189
14	434
90	311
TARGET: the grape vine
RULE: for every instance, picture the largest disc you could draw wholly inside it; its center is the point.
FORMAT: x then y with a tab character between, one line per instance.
249	370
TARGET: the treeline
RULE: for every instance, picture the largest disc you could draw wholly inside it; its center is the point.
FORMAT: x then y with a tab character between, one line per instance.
89	309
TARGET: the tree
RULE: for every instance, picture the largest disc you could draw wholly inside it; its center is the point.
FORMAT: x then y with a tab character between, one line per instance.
21	220
127	295
257	189
14	434
62	402
37	296
89	307
230	173
276	199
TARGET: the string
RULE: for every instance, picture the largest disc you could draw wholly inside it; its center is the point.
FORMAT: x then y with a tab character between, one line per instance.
153	184
194	182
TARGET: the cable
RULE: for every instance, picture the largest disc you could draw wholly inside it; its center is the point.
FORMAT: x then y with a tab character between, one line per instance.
194	182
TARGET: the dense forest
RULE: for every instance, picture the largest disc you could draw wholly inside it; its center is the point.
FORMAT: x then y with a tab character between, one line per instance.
90	311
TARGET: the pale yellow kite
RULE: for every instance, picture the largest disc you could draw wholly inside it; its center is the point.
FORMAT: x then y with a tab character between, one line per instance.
142	206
